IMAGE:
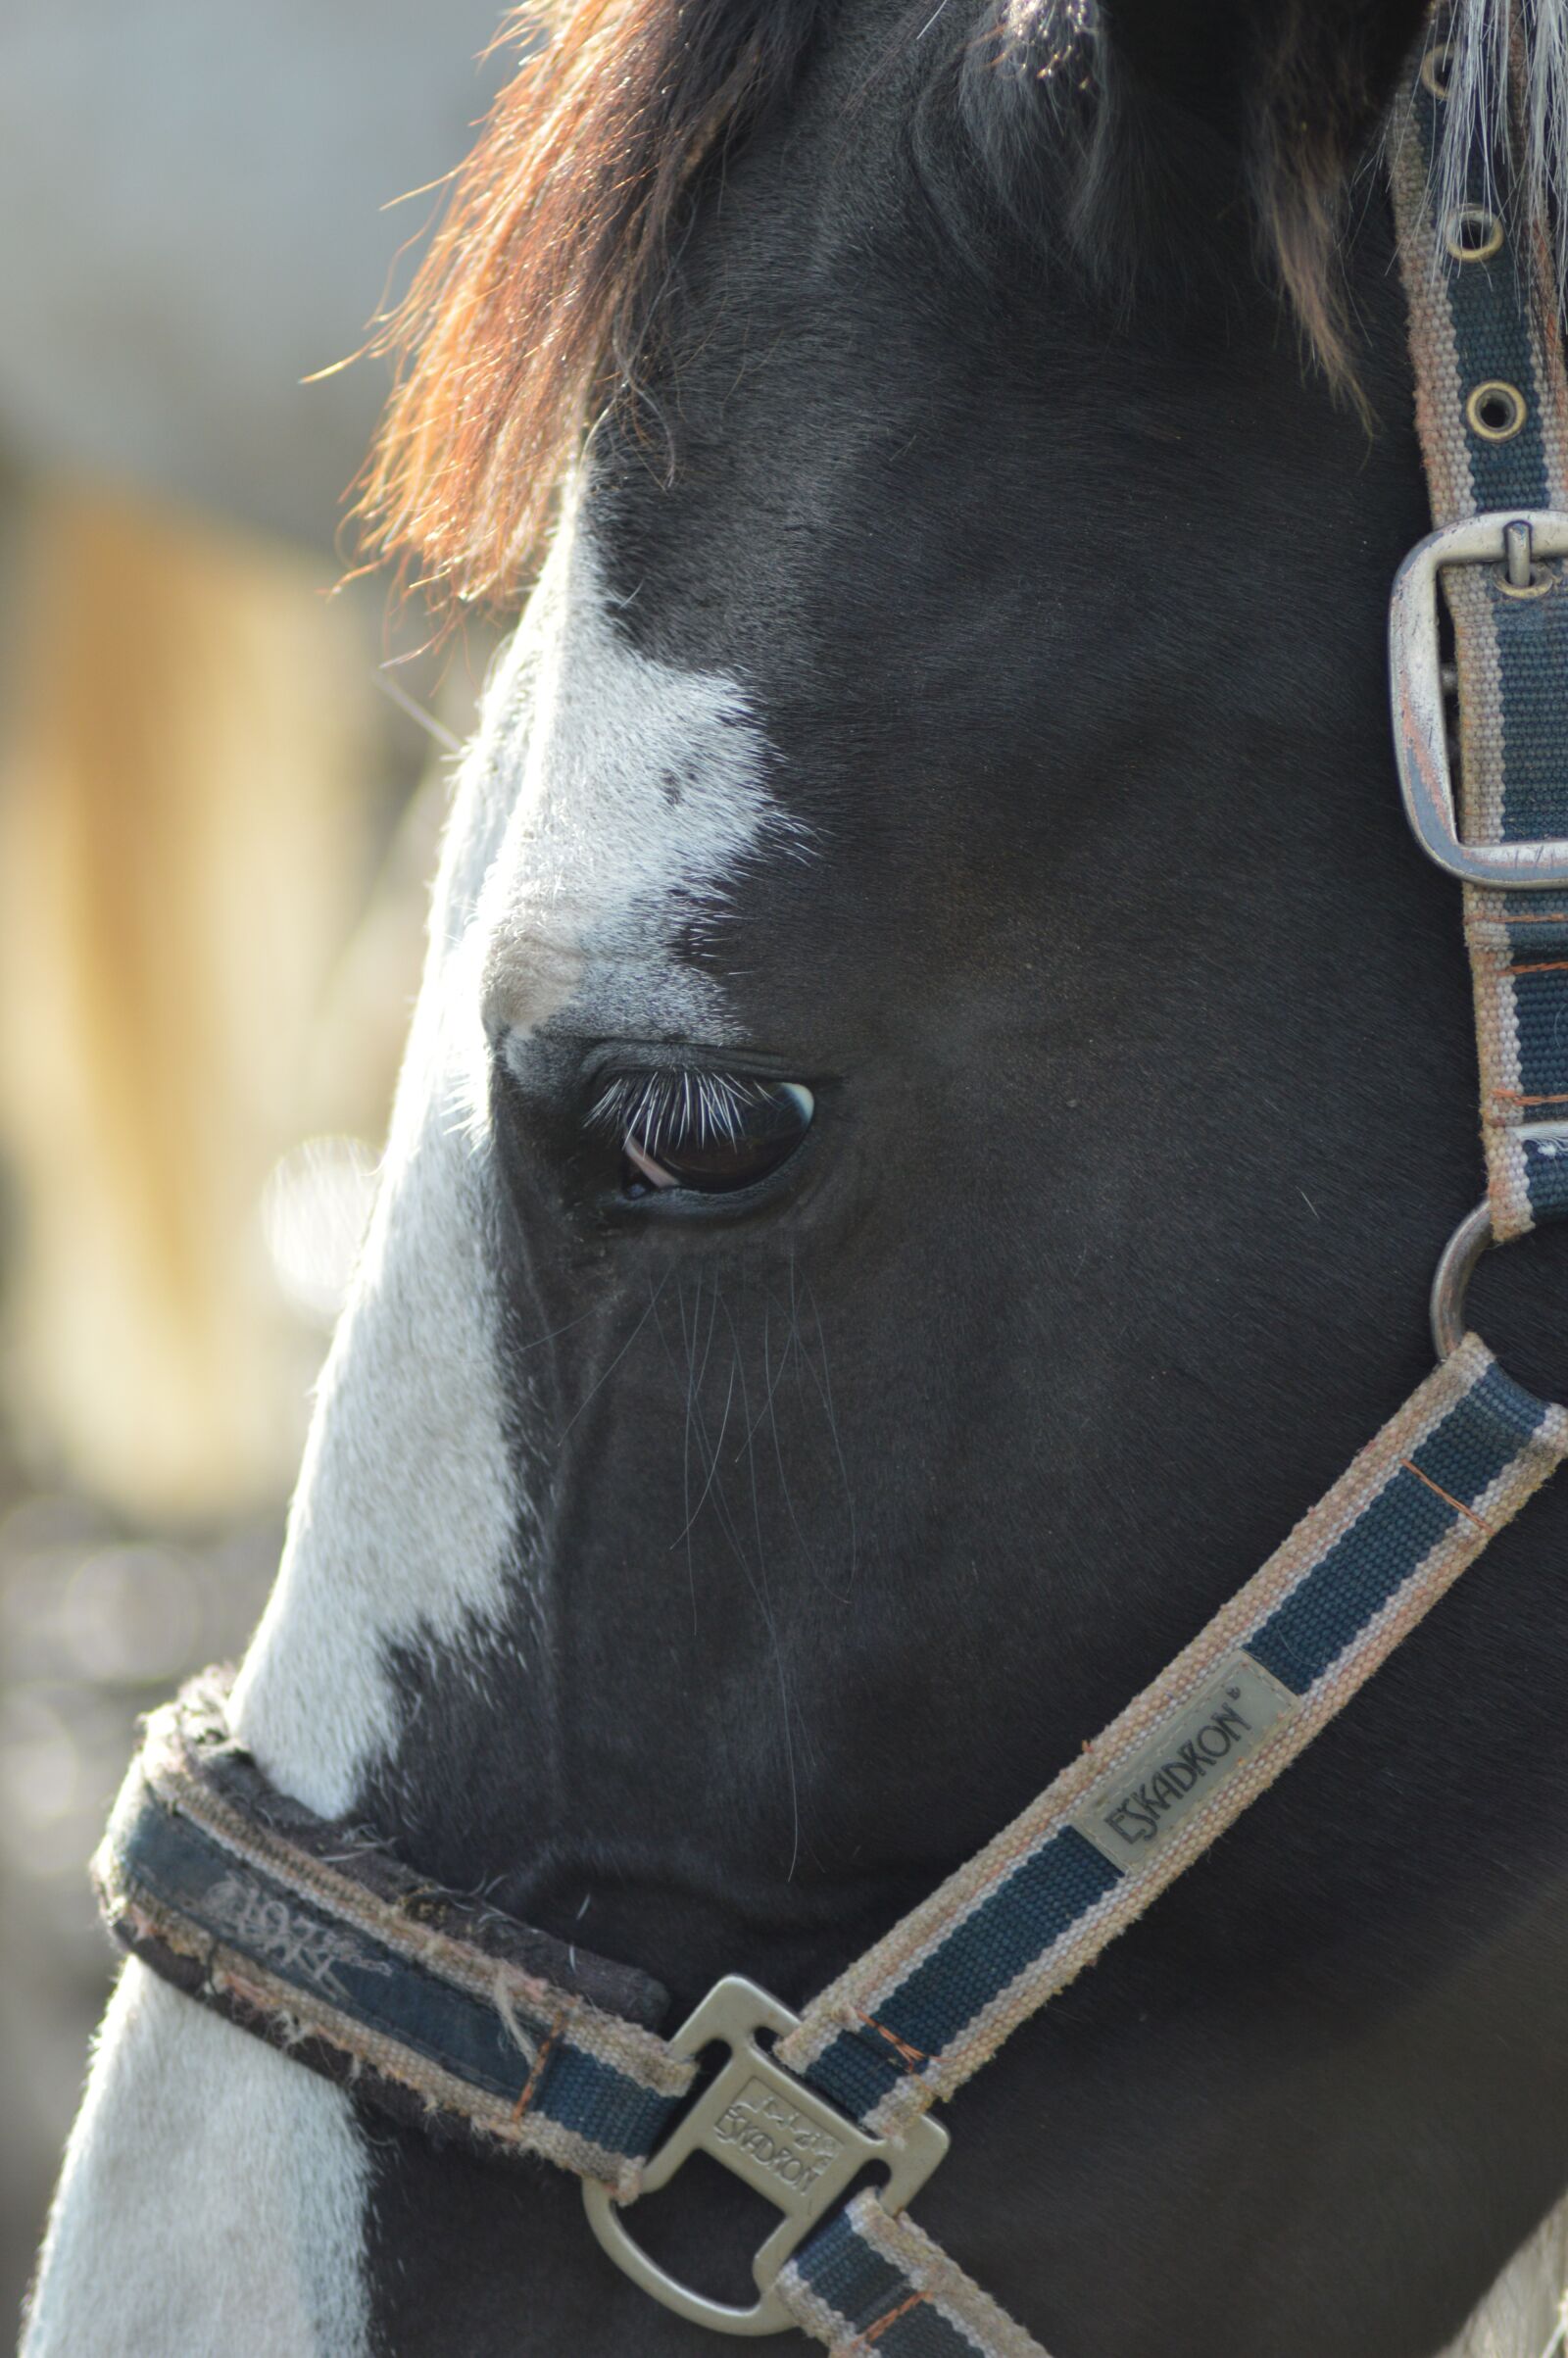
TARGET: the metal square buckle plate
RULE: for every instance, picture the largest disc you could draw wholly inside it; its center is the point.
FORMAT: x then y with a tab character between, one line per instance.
775	2134
1420	735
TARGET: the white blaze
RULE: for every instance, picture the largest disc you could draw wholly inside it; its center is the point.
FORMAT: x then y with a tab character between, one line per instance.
212	2202
641	796
607	802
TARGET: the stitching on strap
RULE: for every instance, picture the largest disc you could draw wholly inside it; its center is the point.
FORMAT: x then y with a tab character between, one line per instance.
1447	1497
547	2045
914	2057
874	2334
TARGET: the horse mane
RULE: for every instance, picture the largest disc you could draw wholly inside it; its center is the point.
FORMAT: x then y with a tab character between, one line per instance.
541	281
1118	133
1477	112
540	292
1312	83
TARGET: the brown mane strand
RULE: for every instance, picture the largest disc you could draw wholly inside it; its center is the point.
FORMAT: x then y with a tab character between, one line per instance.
544	274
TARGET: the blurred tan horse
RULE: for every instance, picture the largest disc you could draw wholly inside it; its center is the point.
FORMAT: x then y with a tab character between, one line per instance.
189	779
196	773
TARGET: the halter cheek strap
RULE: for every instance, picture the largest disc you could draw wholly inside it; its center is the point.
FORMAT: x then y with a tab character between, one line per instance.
1491	409
933	2000
314	1938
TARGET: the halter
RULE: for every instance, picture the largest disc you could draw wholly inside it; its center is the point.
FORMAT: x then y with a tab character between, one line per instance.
312	1935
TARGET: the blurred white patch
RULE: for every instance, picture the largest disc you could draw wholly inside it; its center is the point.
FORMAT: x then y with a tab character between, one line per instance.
1523	2314
316	1209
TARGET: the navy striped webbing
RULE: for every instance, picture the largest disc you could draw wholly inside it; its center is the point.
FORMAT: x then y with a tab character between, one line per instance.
933	2000
867	2283
913	2019
442	2010
1490	319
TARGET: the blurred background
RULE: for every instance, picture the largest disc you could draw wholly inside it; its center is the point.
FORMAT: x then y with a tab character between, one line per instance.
221	787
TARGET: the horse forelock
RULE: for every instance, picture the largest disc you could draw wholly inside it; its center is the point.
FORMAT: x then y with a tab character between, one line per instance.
540	296
1299	106
546	270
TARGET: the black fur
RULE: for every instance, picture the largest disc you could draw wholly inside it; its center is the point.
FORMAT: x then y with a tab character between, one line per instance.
1142	1039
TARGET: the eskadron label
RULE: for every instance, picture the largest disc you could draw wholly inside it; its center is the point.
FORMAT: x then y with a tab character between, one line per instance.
786	2147
1180	1767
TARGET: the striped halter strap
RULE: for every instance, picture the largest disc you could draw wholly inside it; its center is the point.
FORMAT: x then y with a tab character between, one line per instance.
313	1937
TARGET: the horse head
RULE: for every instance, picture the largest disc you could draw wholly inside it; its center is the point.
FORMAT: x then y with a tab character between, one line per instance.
939	1080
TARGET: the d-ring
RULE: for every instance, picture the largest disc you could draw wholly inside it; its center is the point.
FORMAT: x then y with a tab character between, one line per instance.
1455	1270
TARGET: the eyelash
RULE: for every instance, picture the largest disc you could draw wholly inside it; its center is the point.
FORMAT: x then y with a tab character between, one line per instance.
669	1108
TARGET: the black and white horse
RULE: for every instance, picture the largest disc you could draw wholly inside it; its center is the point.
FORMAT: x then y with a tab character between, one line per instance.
939	1080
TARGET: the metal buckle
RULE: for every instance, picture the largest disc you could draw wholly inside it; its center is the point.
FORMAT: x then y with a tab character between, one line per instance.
1420	733
777	2134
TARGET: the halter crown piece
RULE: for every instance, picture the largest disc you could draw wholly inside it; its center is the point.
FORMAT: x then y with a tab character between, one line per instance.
314	1938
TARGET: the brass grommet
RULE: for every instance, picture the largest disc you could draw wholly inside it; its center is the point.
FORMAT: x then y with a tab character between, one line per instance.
1495	410
1542	579
1471	233
1435	68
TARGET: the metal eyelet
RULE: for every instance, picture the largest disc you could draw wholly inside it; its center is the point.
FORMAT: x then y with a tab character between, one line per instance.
1472	234
1435	68
1496	410
1542	579
1519	575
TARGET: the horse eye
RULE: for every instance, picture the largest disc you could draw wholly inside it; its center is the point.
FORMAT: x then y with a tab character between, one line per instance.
709	1132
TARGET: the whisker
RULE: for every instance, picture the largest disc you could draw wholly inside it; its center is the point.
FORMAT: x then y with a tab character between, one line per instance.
604	1379
686	1436
713	1471
825	1394
539	1341
791	1343
761	1591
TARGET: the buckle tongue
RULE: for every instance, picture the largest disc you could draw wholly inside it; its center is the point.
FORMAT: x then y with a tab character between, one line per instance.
775	2134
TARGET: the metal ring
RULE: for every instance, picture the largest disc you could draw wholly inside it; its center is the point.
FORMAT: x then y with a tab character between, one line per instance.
1509	398
1454	1274
1471	233
1434	68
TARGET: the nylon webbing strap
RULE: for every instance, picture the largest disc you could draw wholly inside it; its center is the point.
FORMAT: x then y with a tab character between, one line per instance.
933	2002
1482	319
867	2282
311	1935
